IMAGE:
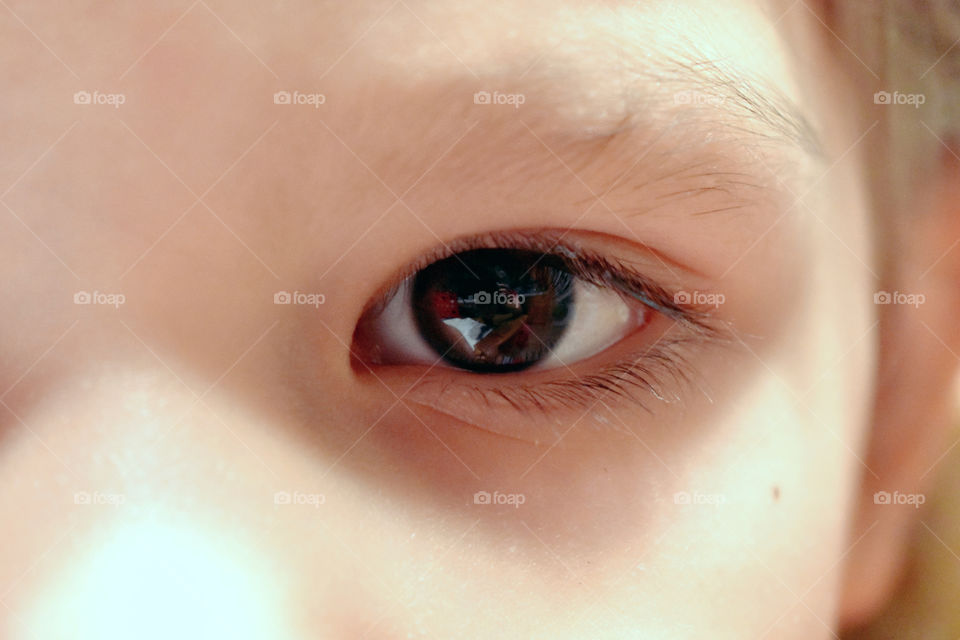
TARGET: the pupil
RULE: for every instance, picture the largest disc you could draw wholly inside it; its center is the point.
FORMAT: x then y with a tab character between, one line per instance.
493	310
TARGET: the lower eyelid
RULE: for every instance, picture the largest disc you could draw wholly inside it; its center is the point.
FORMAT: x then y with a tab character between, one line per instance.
650	376
536	412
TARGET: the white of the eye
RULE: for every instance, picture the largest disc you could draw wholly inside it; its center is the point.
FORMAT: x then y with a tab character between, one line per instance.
400	341
601	318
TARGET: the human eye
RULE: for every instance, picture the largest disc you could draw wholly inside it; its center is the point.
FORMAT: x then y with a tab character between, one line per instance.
499	310
534	319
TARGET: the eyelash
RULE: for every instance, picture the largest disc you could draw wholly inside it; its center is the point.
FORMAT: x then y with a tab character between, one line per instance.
641	371
627	379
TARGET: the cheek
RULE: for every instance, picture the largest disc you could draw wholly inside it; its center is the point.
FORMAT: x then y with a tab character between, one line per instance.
761	521
135	511
758	504
766	489
128	573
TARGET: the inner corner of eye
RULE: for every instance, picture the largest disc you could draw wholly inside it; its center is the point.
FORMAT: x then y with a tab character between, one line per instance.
496	310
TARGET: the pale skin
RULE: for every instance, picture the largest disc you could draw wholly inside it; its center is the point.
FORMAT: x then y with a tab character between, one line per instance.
198	399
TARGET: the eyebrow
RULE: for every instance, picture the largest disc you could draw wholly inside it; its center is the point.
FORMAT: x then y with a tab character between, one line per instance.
751	105
742	119
707	96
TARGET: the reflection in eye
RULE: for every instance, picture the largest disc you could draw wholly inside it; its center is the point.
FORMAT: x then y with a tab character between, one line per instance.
501	310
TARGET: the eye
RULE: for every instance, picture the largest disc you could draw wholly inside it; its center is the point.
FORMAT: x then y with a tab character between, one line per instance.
572	317
498	310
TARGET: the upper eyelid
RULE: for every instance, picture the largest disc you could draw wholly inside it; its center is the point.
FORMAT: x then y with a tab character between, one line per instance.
588	264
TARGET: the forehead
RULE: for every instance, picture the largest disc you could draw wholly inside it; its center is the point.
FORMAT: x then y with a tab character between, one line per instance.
401	78
590	69
678	89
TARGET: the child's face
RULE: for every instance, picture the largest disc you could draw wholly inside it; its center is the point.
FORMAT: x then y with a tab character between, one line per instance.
194	460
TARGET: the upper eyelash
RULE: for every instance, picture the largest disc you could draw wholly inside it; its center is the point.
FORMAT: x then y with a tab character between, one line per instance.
645	371
587	265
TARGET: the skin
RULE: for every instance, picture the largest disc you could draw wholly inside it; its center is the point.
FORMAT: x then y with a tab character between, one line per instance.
198	399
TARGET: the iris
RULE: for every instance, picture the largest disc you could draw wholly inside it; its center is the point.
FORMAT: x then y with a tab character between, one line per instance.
494	310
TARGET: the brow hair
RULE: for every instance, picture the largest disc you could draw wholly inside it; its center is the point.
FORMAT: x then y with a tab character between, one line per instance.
742	110
749	106
749	111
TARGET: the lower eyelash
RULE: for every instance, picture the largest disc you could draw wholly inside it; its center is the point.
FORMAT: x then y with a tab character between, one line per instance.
641	379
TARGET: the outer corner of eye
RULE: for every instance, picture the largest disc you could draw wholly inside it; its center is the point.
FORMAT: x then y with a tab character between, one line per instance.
495	311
